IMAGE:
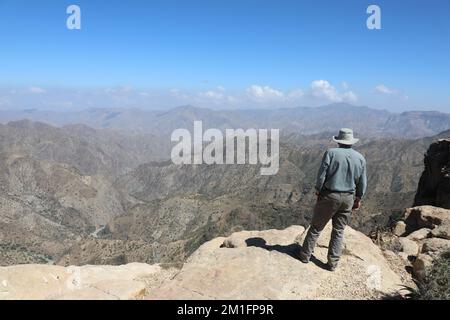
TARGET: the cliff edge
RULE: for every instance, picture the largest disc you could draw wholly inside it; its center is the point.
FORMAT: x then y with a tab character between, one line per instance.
246	265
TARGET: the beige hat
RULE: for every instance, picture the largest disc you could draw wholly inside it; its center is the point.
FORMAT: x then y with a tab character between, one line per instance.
345	137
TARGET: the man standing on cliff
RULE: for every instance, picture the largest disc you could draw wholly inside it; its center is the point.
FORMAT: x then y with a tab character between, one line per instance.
341	184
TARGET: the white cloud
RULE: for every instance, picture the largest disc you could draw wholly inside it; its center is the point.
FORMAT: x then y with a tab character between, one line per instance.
350	96
216	96
322	89
37	90
296	94
381	88
258	96
211	94
263	93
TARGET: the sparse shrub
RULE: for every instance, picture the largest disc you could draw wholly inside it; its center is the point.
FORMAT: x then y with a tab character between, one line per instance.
436	284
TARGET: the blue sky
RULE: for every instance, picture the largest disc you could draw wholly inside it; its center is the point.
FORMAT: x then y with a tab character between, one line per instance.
225	54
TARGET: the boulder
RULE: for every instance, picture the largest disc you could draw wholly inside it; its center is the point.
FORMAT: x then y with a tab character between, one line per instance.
263	265
426	217
442	231
434	246
419	234
399	228
411	248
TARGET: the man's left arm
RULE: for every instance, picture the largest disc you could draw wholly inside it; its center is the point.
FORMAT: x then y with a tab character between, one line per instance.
321	176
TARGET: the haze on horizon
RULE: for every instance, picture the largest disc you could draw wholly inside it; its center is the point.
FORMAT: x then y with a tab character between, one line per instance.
224	55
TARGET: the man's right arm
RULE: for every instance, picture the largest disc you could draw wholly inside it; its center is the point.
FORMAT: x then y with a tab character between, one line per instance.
321	176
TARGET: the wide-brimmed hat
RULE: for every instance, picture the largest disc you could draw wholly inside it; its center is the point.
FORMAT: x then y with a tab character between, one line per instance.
345	137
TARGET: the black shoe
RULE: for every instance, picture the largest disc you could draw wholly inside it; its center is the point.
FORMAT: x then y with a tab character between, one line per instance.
302	257
330	267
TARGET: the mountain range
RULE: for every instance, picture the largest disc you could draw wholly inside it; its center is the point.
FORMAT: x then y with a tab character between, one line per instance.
367	122
99	188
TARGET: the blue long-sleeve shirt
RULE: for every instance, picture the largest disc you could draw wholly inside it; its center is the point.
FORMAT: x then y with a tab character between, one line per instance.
342	170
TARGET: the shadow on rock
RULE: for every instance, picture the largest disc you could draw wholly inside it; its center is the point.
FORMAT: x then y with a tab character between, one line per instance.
291	250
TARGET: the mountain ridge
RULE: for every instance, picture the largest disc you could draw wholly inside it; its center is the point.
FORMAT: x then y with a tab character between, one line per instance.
366	121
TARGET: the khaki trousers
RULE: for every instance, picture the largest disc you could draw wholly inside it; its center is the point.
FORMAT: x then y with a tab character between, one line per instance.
330	206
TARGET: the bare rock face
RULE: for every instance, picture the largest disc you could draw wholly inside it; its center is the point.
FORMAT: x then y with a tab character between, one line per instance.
73	283
434	185
263	265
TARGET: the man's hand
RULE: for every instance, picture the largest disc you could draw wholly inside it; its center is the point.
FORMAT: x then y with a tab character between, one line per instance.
356	204
318	195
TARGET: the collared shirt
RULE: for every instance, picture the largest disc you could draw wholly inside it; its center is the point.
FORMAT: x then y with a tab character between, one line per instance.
342	170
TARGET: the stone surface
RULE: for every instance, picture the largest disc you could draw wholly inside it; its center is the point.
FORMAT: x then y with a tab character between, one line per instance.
426	217
411	248
399	228
404	256
429	227
420	264
246	265
442	231
419	234
88	282
262	265
434	246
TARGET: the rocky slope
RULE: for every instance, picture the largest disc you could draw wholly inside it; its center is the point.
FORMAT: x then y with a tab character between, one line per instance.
57	185
180	207
246	265
86	196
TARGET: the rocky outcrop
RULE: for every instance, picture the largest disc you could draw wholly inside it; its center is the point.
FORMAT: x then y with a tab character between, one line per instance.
426	236
263	265
246	265
434	185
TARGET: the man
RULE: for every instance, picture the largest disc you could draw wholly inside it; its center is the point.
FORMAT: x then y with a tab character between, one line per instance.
341	184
